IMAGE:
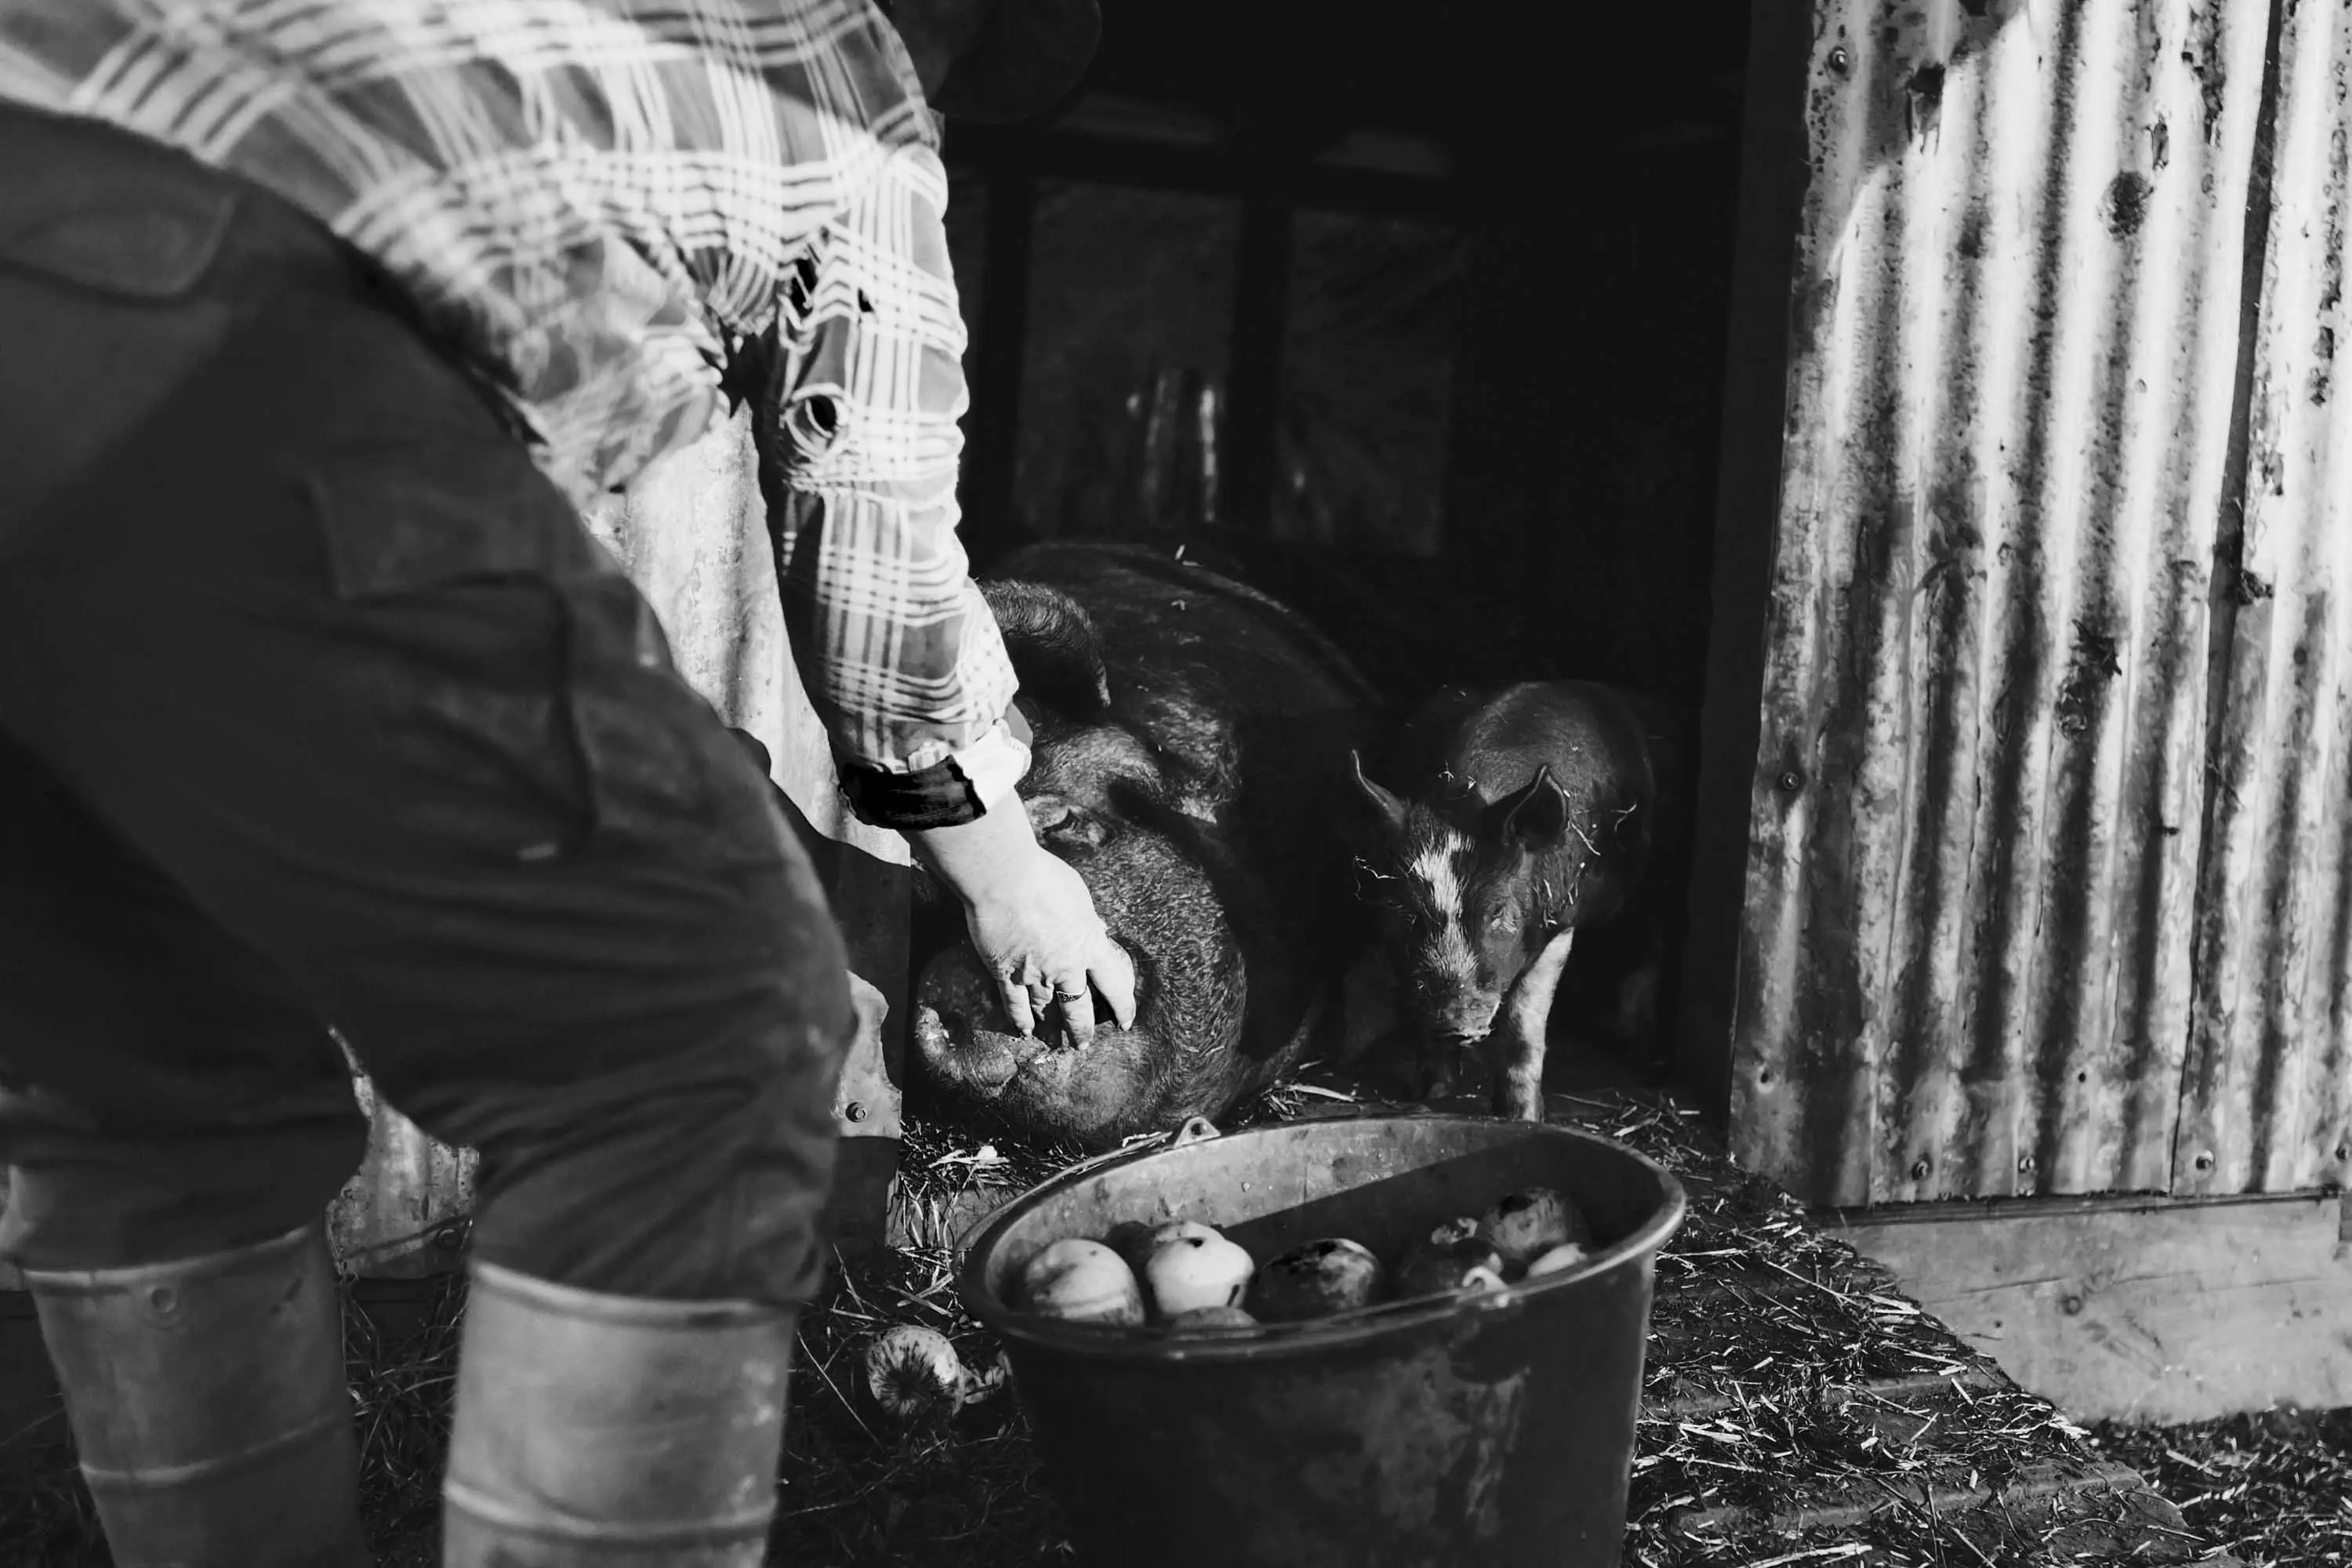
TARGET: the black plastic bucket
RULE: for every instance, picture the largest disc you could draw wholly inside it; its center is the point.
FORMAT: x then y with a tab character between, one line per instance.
1493	1429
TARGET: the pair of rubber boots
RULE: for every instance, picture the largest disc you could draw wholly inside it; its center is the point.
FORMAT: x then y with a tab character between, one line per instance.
208	1401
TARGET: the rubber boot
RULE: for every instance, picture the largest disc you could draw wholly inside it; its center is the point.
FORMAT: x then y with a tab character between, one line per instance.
207	1399
612	1432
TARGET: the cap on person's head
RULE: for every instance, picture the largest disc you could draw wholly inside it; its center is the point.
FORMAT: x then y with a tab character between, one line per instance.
1028	56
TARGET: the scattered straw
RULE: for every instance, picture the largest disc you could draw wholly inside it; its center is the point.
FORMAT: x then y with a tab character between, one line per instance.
2277	1486
1798	1410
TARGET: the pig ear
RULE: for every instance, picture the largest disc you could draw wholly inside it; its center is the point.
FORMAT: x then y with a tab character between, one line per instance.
1050	639
1537	818
1390	809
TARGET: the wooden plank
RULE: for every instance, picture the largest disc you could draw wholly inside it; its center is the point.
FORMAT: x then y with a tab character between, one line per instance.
1755	394
2137	1309
2135	1522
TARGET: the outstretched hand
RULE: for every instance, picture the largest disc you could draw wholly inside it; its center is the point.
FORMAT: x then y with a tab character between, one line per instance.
1040	938
1032	923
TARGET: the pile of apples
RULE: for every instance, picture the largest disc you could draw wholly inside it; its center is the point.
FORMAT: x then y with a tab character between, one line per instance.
1187	1275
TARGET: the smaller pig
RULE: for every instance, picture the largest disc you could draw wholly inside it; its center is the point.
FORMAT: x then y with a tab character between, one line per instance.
1527	818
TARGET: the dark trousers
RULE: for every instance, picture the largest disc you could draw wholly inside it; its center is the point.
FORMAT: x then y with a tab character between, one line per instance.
318	703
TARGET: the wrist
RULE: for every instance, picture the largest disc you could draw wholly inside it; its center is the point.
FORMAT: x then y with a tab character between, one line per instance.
981	861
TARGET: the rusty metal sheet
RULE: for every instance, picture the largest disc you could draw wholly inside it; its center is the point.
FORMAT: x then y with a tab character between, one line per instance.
2267	1099
404	1210
1975	814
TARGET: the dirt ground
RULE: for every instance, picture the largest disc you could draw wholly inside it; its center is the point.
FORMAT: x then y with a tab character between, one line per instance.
2263	1485
964	1491
2276	1487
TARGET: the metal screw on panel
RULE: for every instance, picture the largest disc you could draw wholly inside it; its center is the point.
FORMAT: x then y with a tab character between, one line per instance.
163	1300
450	1238
855	1110
2072	1305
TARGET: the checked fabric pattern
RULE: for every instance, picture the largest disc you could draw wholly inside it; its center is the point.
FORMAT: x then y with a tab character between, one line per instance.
592	200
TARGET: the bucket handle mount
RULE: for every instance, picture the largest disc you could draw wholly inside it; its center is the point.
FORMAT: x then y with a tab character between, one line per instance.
1195	1130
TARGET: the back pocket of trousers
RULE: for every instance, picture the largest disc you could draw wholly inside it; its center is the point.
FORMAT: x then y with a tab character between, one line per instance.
456	571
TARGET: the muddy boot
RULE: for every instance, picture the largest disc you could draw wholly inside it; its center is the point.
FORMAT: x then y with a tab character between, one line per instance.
612	1432
207	1399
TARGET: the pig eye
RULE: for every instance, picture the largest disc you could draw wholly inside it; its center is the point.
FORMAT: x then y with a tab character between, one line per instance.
1405	917
1076	827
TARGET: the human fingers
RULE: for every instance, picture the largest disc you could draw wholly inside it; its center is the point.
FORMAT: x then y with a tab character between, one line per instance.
1077	1005
1015	995
1113	973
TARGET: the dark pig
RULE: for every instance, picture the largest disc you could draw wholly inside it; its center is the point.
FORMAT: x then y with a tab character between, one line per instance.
1525	817
1191	756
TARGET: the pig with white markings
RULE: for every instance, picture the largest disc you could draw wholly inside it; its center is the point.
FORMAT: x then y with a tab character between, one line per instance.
1524	816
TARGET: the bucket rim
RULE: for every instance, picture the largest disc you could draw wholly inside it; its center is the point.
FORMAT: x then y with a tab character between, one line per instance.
1338	1331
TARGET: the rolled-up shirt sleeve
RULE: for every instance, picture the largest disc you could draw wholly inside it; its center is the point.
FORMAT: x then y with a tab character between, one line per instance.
899	654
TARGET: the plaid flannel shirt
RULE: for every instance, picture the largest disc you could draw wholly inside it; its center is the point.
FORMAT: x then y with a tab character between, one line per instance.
589	199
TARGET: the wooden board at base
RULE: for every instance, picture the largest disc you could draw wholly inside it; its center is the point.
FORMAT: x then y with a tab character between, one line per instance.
2135	1310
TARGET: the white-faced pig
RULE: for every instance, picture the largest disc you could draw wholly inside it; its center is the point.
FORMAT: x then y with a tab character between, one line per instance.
1525	815
1191	756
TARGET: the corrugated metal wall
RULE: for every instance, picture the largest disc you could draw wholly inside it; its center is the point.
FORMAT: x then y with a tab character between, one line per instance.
1965	966
2267	1104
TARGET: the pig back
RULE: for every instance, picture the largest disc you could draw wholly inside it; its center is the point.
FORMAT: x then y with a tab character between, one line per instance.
1213	672
1250	701
1473	749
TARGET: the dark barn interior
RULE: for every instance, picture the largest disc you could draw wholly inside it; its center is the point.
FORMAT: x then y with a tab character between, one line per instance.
1426	326
1416	320
1422	316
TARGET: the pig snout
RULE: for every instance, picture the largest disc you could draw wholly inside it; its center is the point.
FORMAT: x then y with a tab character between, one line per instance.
963	1031
1454	982
1453	1008
960	1029
978	1070
1179	1059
